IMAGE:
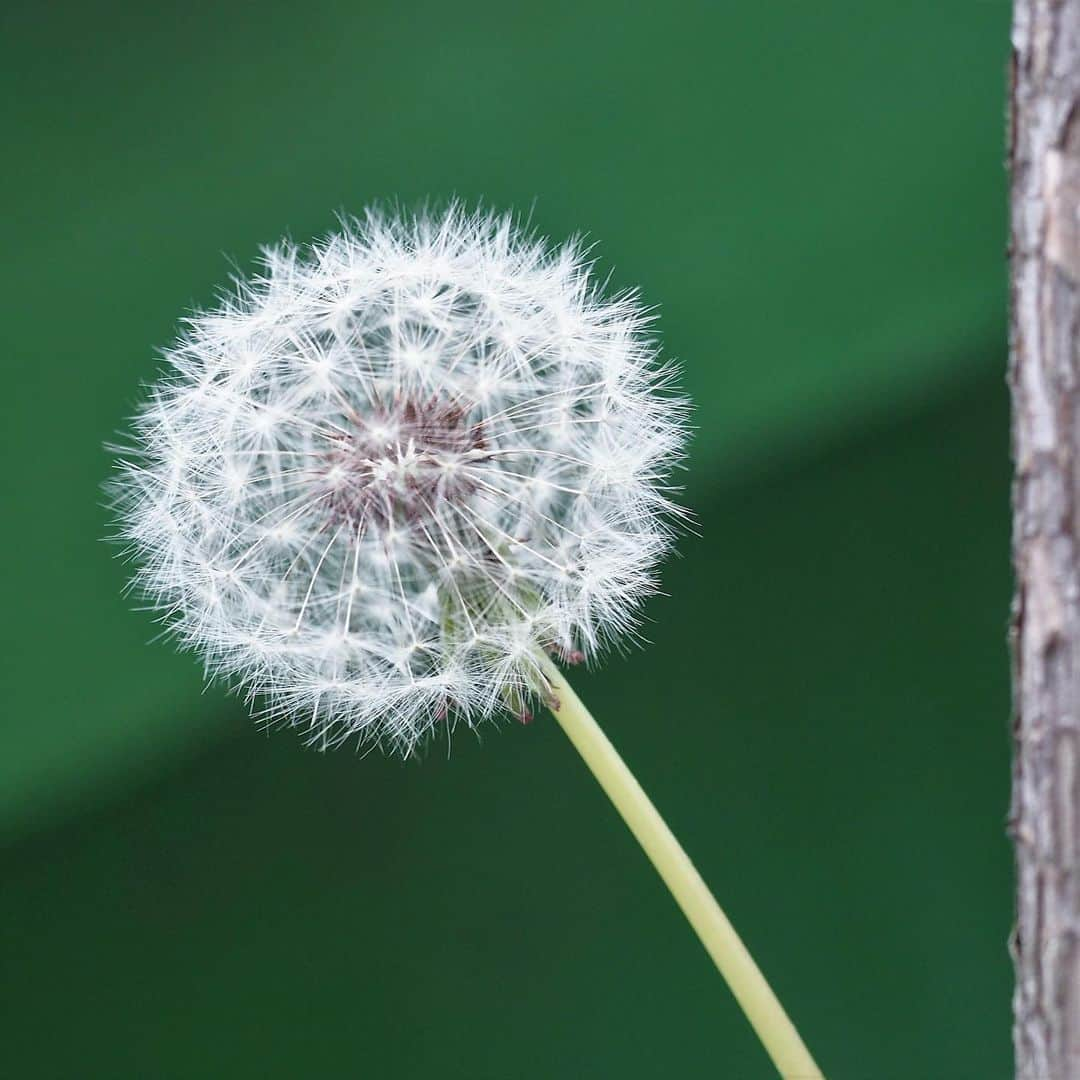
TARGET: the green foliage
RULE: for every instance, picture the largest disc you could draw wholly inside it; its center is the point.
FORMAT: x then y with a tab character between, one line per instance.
813	196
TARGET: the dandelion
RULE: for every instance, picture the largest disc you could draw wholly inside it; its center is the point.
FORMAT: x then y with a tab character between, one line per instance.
392	476
385	472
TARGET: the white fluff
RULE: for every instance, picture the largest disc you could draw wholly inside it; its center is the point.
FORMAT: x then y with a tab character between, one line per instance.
386	471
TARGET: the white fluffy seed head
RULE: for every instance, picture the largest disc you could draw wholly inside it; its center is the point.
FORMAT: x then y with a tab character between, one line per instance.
386	471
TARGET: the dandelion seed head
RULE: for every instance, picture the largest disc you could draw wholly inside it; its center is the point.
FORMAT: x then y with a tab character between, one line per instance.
385	471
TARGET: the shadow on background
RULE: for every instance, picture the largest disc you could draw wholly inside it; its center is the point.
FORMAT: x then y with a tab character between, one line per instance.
823	718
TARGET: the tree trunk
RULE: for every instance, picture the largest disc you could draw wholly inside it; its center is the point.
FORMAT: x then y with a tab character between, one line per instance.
1044	375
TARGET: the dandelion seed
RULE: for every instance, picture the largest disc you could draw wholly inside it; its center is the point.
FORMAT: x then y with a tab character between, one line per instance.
385	472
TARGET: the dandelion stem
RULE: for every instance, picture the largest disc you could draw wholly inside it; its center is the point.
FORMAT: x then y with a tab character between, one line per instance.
753	993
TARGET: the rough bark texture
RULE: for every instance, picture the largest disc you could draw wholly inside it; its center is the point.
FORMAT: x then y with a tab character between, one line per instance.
1045	379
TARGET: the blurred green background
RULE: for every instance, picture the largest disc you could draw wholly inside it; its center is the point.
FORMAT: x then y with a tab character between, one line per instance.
813	195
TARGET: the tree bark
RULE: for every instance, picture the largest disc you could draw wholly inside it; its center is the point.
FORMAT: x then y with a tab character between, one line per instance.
1044	376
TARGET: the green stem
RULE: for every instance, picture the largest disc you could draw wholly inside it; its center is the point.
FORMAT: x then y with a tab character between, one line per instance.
753	993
